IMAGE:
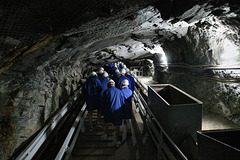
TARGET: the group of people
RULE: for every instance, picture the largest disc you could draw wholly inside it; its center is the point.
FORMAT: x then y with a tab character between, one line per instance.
110	90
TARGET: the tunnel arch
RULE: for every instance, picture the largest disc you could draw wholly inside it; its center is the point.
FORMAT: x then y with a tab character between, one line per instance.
34	79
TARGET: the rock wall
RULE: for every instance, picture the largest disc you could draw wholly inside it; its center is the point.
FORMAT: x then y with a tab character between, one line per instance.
31	94
198	57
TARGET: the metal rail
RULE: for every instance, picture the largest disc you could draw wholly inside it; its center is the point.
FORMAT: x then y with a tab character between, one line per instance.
29	152
77	126
203	67
157	133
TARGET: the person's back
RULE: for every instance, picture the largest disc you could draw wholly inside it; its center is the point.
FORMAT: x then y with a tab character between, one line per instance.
127	93
93	86
92	89
104	82
127	107
131	81
120	79
115	76
113	99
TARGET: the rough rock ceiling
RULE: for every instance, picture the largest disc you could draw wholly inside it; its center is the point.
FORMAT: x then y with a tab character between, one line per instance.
23	22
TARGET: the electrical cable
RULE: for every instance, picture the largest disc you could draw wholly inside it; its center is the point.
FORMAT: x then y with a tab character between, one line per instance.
205	67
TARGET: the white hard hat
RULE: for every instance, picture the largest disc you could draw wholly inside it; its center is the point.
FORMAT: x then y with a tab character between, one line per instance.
93	74
123	71
127	70
125	82
101	68
105	74
111	82
100	71
117	71
124	66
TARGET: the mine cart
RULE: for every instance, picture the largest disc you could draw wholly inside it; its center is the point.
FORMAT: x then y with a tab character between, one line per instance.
219	144
178	113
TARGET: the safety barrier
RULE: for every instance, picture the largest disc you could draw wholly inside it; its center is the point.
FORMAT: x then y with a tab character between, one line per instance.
77	126
219	144
160	138
29	152
138	71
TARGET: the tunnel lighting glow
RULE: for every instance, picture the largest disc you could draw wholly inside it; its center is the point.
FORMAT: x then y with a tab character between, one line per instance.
164	59
157	49
230	54
230	50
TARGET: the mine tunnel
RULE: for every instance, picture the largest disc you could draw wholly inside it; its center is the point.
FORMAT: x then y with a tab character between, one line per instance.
183	55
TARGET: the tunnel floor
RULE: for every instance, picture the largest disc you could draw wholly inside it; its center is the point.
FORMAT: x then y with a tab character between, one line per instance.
210	121
93	146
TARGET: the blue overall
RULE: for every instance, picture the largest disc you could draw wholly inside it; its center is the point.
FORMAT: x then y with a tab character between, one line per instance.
92	89
131	82
111	71
104	82
113	100
127	108
120	79
115	77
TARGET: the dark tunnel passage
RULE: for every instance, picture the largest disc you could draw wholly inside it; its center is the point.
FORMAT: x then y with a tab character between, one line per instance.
48	49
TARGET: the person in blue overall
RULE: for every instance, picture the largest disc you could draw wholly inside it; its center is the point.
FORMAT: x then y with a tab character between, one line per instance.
104	80
127	108
100	75
115	75
92	89
100	72
131	80
113	101
121	78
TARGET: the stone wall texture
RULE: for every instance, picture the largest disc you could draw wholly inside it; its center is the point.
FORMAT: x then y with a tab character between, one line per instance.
196	63
36	81
30	97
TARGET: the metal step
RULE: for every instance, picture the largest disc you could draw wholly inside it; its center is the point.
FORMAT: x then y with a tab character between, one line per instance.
93	145
91	157
93	151
94	139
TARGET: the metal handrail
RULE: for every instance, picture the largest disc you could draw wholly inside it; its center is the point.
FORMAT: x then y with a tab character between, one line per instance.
148	114
37	142
77	125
